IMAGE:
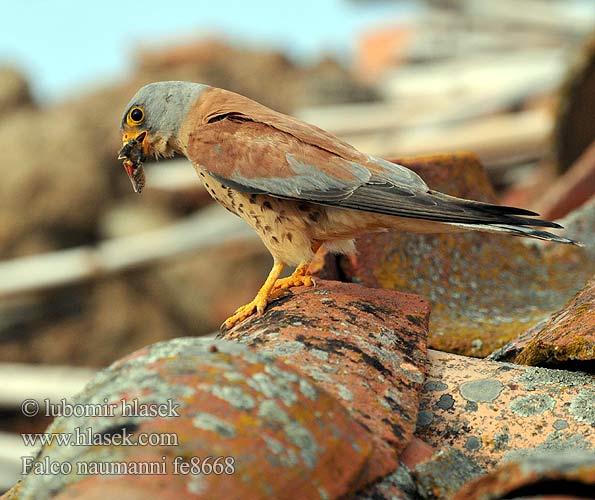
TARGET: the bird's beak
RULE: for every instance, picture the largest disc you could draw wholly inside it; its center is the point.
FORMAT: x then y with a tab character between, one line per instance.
134	153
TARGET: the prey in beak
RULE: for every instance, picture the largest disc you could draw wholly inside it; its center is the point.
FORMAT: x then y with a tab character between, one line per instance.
133	154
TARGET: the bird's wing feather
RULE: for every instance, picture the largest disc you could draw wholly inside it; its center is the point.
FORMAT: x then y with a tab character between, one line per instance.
253	157
251	148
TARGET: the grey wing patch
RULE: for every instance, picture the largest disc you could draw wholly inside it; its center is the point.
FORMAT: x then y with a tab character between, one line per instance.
308	182
397	175
397	190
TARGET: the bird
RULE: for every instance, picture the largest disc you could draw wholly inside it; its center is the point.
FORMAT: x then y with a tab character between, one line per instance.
298	186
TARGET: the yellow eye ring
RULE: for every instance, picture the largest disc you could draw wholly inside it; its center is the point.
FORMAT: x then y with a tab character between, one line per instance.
135	116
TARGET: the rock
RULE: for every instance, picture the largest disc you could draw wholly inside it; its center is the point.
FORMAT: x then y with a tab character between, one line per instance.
87	325
485	289
417	451
191	293
495	410
202	290
48	166
400	483
327	82
561	475
364	346
574	126
280	435
512	349
14	91
331	383
424	474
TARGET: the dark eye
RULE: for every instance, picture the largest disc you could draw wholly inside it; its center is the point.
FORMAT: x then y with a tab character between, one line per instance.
137	115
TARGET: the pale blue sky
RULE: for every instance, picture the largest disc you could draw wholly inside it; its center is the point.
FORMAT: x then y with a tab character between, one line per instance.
65	45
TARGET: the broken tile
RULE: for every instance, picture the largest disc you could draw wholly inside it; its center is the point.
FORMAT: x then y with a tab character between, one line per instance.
424	474
364	346
274	428
444	473
567	338
512	349
400	483
563	475
572	189
500	410
485	289
417	451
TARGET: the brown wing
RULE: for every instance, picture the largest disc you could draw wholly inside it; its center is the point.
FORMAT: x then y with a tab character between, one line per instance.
254	149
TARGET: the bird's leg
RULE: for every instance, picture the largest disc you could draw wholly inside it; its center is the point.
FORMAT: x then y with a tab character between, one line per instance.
260	301
300	277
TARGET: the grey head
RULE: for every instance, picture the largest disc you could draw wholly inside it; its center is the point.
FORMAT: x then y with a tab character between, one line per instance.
151	123
165	105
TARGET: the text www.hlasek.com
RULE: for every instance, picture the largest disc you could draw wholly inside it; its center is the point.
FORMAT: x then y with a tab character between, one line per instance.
87	437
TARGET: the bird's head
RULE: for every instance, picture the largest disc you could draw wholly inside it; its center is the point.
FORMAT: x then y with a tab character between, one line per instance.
151	122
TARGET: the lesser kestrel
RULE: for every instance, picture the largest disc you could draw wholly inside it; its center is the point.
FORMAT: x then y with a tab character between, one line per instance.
299	187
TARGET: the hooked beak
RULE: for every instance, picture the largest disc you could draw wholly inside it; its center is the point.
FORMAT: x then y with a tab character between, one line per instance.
133	152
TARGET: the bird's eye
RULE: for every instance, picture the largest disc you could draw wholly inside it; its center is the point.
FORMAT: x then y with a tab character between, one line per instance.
136	116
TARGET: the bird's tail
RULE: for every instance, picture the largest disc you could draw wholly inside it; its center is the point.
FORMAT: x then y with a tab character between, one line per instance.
509	220
518	231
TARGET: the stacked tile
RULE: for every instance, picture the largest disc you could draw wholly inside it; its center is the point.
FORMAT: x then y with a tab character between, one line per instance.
332	392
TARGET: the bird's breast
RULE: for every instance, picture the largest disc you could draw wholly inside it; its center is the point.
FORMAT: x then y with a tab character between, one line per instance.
286	227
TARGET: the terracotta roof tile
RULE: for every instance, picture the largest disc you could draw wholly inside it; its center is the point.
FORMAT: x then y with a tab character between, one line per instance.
364	346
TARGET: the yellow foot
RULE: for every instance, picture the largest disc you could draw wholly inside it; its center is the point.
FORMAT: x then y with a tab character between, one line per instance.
291	281
258	305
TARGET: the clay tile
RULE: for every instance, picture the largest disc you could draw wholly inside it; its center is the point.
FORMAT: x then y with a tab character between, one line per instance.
494	410
568	474
365	346
568	337
275	430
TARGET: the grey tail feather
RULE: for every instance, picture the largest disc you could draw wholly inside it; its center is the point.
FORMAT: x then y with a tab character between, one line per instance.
519	231
510	216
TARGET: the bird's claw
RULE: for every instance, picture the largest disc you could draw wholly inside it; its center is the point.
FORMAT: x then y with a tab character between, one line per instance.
291	281
258	305
266	295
